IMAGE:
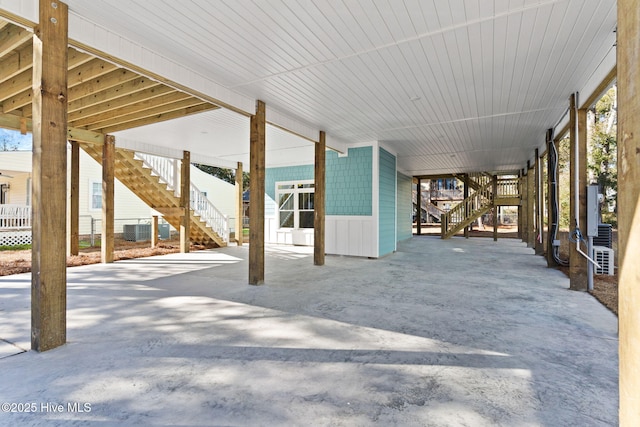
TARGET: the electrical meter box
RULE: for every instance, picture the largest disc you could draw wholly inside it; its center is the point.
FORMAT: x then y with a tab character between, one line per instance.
593	210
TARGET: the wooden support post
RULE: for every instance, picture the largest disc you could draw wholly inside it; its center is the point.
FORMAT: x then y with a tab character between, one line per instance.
578	205
419	209
108	184
154	231
552	190
49	218
74	200
525	206
318	200
538	232
531	206
495	208
628	58
239	206
465	195
185	202
520	210
257	191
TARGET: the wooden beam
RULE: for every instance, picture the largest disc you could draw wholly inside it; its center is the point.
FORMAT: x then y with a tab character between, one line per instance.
604	85
419	208
83	72
578	280
108	181
49	184
185	192
182	112
552	189
151	114
495	208
319	200
257	191
12	37
465	195
531	206
154	231
140	101
74	196
16	63
10	121
628	59
129	87
239	205
539	233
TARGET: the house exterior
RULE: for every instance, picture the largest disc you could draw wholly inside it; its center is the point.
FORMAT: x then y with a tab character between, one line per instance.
15	182
368	203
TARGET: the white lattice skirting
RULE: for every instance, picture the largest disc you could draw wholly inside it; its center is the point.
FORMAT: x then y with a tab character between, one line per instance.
14	238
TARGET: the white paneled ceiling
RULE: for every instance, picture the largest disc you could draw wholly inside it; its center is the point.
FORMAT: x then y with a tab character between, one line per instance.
450	86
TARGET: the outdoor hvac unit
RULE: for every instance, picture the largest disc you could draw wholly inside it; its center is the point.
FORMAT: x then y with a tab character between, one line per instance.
136	232
604	237
604	257
163	231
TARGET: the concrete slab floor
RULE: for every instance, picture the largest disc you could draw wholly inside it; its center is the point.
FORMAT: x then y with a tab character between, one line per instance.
442	333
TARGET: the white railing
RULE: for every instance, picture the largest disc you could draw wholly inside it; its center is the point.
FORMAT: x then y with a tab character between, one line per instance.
15	217
168	170
215	219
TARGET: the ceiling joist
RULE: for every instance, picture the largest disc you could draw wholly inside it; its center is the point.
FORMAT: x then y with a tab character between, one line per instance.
102	97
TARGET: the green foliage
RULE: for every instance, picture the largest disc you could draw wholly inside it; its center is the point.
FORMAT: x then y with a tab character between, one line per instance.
224	174
602	163
15	248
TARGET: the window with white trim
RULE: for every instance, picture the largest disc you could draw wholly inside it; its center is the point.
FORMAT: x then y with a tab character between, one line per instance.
96	195
295	204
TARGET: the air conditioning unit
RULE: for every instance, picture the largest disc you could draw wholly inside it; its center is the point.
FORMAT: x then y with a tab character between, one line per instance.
604	257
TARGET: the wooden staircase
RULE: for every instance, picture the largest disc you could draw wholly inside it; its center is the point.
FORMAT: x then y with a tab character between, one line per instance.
154	189
480	202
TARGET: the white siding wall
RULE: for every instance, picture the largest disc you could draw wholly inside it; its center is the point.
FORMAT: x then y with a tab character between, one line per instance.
18	191
221	193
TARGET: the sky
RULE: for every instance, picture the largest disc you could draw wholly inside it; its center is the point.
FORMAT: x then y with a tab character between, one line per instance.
13	140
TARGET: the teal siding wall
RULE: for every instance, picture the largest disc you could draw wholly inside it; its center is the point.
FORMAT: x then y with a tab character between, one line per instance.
404	209
290	173
349	182
387	200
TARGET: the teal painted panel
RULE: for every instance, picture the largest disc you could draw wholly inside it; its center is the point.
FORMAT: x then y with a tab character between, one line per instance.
349	182
349	188
289	173
405	208
387	200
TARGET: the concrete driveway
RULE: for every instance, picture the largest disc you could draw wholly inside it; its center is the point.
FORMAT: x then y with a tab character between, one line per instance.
442	333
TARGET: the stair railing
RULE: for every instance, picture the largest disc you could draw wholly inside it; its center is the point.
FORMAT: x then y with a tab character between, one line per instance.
168	170
479	200
208	213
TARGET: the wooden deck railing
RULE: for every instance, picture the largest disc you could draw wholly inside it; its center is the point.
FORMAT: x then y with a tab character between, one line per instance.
15	217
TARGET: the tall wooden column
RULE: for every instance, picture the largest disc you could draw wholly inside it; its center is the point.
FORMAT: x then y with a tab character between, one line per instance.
257	190
531	205
628	56
154	231
465	195
520	207
578	205
552	190
185	202
108	184
318	200
74	200
524	186
419	208
239	205
539	245
495	208
49	217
